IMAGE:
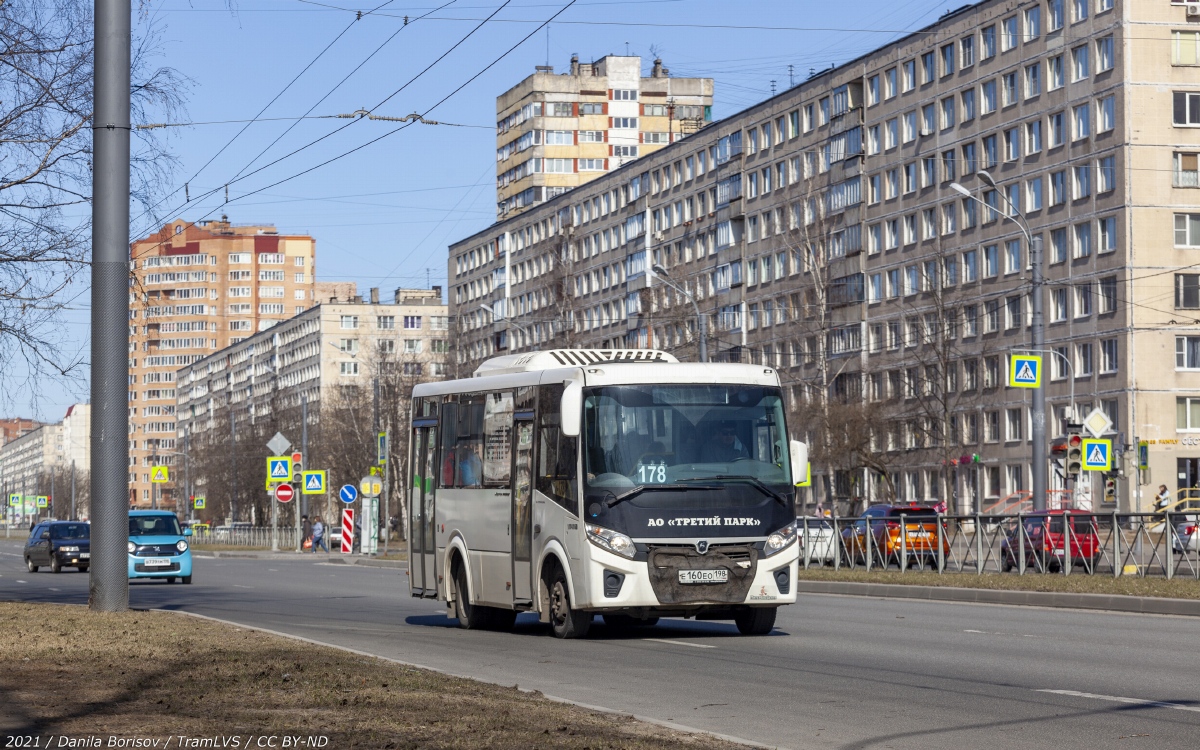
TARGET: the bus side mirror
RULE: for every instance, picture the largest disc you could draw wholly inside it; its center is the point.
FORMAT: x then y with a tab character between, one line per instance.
799	455
572	408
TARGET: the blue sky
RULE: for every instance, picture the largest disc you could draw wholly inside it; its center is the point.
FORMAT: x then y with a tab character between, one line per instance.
384	215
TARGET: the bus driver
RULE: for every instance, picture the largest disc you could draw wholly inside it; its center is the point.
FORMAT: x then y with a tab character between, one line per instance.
726	447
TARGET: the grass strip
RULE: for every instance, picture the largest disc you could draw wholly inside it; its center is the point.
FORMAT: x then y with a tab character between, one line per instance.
1176	588
68	671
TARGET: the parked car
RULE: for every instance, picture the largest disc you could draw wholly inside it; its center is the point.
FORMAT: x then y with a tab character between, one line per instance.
817	541
1045	539
877	535
1186	539
58	544
158	548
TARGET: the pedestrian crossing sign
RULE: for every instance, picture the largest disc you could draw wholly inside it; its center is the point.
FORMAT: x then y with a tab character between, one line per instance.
314	483
159	474
1025	371
14	500
198	502
1097	455
43	501
279	468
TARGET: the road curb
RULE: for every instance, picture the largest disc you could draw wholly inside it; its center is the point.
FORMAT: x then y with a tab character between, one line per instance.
1144	605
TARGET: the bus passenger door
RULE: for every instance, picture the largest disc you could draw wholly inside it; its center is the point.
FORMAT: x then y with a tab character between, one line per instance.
423	552
522	508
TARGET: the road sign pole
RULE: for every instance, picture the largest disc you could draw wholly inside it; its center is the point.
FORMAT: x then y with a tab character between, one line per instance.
1041	458
274	525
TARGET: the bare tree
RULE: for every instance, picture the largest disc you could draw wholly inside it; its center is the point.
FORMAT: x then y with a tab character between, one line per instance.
45	170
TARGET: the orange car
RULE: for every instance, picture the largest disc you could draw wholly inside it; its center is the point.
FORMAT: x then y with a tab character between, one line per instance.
877	534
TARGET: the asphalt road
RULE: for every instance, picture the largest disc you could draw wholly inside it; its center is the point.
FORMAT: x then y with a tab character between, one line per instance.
843	672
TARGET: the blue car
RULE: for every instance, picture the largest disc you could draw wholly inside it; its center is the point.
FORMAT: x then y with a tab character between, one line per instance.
158	548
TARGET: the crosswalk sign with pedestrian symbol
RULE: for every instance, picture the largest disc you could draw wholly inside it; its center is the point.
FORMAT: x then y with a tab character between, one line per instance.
1025	371
314	483
279	468
1097	455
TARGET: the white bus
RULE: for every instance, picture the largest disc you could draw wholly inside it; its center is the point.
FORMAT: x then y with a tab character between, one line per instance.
573	483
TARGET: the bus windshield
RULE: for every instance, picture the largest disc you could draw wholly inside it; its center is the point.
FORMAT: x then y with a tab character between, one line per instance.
685	435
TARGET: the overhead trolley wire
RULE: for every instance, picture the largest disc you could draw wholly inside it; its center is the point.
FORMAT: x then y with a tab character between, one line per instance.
264	109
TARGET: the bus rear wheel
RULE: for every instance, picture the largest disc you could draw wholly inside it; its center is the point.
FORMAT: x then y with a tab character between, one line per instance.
755	621
565	621
469	616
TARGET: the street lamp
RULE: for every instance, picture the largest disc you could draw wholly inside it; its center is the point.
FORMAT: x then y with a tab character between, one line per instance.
491	311
701	325
1037	264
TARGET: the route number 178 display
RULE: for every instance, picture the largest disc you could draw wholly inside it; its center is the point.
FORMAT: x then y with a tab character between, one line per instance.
652	473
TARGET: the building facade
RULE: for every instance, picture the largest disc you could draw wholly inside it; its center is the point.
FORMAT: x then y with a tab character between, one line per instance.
304	366
821	233
11	429
555	132
40	461
196	289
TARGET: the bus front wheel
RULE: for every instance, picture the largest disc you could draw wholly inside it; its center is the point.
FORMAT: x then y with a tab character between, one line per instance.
469	618
755	621
566	622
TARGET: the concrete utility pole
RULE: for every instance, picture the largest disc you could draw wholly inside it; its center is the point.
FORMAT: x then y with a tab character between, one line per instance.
108	581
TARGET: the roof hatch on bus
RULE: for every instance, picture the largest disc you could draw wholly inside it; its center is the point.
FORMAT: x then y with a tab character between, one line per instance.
530	361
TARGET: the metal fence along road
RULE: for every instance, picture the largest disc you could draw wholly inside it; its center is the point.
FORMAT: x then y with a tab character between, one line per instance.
1058	543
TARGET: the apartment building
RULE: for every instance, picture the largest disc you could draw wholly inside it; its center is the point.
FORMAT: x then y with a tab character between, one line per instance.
11	429
196	289
306	360
28	462
820	233
555	132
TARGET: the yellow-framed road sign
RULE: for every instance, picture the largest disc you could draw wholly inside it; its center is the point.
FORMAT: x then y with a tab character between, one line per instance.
1025	371
160	474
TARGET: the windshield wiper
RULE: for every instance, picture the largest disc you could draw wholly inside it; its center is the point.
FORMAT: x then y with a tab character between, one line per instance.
655	488
756	482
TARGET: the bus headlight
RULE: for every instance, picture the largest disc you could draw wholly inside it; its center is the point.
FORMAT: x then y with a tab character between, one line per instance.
613	541
780	539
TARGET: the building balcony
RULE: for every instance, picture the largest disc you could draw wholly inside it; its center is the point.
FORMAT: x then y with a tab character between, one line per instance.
1186	179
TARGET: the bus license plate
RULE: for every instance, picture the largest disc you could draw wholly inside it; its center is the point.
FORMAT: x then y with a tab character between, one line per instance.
704	576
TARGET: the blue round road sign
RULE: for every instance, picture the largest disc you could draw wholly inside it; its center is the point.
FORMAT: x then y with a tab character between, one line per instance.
348	493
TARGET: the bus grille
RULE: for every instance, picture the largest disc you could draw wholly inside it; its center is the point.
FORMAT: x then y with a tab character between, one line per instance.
664	564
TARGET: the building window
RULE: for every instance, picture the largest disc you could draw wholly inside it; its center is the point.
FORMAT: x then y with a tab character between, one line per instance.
1108	355
412	322
1187	413
1083	360
1187	230
1187	352
1185	48
987	42
348	368
349	322
1186	108
1104	54
1108	294
1187	291
1015	423
1106	174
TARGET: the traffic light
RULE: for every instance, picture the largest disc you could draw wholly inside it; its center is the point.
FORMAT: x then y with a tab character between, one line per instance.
1110	488
1058	451
1074	451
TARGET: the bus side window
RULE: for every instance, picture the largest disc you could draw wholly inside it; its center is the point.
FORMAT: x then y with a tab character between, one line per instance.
556	457
449	424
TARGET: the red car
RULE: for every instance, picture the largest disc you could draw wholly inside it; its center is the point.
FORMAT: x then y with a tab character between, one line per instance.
1045	538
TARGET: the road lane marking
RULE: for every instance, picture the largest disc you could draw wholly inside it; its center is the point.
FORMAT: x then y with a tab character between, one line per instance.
1119	699
240	586
678	643
1015	635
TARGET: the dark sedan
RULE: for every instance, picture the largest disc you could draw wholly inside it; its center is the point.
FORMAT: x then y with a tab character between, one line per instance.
59	544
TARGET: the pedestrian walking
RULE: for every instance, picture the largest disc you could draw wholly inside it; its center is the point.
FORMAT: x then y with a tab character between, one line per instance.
318	536
1162	500
306	527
